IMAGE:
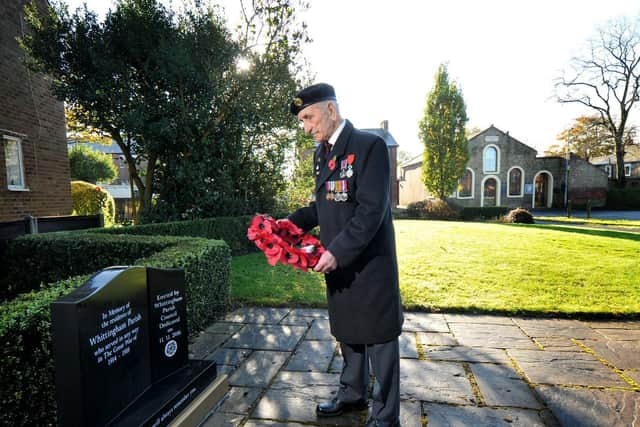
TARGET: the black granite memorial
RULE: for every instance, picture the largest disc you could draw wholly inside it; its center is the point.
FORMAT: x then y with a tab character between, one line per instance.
121	350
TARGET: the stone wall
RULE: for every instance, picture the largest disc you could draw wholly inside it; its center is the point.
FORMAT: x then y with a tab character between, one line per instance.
29	112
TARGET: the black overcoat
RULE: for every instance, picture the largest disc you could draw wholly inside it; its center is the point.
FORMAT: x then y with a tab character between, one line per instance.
362	293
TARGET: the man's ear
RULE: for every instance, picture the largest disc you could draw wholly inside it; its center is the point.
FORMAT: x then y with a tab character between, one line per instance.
333	113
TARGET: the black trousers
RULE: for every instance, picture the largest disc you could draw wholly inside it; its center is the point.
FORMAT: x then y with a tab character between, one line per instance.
354	380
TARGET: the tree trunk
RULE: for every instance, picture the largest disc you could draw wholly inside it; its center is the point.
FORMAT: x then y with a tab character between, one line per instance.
620	177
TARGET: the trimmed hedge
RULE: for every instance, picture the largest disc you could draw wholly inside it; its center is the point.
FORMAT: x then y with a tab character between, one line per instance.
232	230
469	214
46	258
27	394
26	361
623	198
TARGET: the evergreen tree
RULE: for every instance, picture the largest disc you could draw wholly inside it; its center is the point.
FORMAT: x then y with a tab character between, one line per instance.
91	166
442	130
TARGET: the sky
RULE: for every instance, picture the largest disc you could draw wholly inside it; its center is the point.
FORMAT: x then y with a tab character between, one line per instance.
382	56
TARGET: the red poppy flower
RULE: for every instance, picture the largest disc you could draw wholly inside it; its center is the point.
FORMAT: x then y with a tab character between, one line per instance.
289	231
351	158
283	241
332	163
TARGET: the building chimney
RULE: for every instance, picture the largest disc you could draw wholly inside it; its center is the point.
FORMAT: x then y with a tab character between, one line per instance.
385	125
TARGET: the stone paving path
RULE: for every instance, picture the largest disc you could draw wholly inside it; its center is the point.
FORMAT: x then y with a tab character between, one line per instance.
456	370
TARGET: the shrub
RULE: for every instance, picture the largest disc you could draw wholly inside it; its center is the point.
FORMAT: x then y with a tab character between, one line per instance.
432	209
89	199
623	198
519	216
86	164
232	230
26	358
469	214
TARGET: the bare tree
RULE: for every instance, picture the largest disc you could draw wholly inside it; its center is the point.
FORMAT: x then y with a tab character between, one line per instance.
606	79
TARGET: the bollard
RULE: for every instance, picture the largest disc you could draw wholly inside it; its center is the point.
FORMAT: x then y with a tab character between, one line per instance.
588	208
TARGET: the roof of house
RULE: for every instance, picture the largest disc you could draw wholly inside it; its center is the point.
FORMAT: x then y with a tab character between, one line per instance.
122	191
384	134
112	148
631	154
511	138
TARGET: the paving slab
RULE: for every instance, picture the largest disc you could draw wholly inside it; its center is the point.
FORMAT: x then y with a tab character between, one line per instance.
500	385
615	324
291	380
299	406
408	347
317	313
565	368
223	419
622	354
240	399
493	336
320	330
312	356
434	381
620	334
229	356
465	416
336	363
436	338
557	344
266	423
258	369
466	354
267	337
257	315
223	328
410	413
425	322
557	328
591	408
478	319
297	320
293	396
205	343
634	374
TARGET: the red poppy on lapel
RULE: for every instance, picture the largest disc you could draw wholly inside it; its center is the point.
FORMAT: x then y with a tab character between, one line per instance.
351	158
332	163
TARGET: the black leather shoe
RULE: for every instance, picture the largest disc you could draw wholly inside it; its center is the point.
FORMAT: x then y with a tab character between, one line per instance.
336	407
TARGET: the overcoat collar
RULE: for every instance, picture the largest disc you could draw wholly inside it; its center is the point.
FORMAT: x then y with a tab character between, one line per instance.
337	151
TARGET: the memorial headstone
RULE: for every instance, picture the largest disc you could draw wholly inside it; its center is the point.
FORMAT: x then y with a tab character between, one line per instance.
120	350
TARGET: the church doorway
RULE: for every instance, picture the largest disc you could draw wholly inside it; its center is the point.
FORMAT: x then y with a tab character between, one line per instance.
543	194
490	192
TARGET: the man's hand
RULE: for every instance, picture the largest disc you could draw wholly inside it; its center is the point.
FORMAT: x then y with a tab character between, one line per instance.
326	263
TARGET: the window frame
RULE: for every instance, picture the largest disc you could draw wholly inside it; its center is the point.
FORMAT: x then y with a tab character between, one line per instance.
627	166
484	163
23	185
473	182
521	192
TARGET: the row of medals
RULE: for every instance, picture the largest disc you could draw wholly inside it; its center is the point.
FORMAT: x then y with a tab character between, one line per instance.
346	171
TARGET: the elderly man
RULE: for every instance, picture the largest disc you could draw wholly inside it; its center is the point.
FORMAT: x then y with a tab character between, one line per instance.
353	211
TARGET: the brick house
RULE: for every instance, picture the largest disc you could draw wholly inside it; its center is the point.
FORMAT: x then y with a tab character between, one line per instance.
34	165
631	165
392	145
503	171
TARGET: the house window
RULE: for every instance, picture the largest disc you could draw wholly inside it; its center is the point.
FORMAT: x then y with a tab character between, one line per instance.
14	163
627	169
516	182
608	170
490	159
465	185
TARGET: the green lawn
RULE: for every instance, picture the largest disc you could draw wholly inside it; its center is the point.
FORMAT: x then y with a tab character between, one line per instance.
484	267
618	223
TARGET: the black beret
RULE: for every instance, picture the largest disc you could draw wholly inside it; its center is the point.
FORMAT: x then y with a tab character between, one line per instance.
310	95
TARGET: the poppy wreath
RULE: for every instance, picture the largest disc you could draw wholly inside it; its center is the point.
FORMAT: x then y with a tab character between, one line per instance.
283	241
